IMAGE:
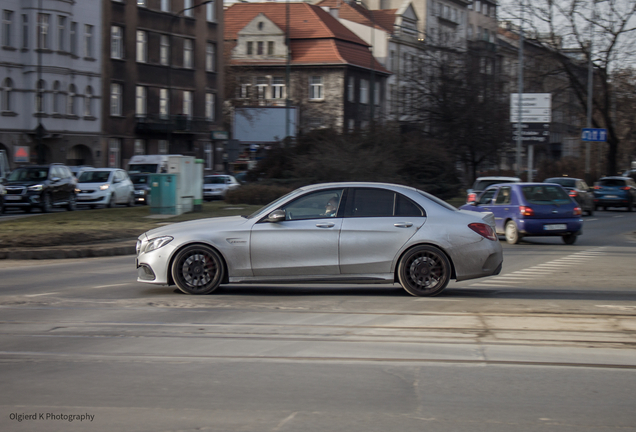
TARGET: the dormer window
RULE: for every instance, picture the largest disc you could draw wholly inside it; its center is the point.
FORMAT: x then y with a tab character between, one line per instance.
260	25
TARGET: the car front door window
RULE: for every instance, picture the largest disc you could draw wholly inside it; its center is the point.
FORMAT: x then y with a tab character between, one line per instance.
317	205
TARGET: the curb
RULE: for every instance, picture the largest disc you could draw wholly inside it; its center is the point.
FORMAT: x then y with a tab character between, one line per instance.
70	251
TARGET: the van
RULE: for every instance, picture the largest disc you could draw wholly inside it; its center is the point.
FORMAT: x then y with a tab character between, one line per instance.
149	164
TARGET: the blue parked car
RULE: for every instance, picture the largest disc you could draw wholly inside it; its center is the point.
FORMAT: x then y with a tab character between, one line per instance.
530	209
615	192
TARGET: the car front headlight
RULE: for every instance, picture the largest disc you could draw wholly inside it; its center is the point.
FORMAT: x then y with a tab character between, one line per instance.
35	188
103	187
157	243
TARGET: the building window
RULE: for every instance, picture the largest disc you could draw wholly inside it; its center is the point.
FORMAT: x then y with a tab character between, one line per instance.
210	16
58	98
208	156
40	96
187	5
351	89
6	95
250	49
61	33
115	99
88	41
165	5
162	147
88	102
116	42
140	147
140	101
278	88
187	53
244	88
315	88
70	107
164	102
261	87
187	103
210	57
364	91
210	104
270	48
259	48
74	38
142	46
114	148
25	31
43	31
164	50
7	28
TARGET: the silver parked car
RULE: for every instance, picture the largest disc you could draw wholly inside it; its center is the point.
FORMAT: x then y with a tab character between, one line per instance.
335	232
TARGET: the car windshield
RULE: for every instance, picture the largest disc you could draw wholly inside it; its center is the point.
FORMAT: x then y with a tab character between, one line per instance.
139	179
29	174
214	180
612	182
94	176
481	185
540	194
142	168
567	182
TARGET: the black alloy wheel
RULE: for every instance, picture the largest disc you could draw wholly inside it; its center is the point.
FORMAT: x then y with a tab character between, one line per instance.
424	271
198	269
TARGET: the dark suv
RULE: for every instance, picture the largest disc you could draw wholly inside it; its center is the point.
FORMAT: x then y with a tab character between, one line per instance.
41	186
577	189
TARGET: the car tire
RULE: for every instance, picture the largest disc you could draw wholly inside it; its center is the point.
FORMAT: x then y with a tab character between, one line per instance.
569	239
630	206
197	269
72	204
46	203
590	211
424	271
111	201
131	200
512	233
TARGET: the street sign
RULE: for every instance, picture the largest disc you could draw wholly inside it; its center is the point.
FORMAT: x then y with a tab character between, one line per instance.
532	133
21	154
220	135
596	135
535	108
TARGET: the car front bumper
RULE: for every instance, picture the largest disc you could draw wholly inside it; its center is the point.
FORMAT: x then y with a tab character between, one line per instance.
93	198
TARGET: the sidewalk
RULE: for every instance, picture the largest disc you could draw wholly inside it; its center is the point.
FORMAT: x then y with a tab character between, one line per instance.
126	247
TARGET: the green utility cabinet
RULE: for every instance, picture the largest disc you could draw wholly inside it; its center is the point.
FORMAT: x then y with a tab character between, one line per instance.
163	190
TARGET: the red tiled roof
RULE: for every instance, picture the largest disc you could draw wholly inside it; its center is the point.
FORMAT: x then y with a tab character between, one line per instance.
381	19
316	37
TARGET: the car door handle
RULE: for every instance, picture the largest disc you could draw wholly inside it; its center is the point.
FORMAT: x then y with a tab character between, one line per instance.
326	225
403	225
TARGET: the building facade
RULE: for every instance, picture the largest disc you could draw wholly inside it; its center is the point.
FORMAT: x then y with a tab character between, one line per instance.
50	81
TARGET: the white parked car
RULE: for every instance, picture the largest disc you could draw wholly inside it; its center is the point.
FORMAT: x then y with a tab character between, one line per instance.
105	186
216	186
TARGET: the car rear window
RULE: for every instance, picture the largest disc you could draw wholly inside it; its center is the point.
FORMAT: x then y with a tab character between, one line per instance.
481	185
562	181
545	194
612	182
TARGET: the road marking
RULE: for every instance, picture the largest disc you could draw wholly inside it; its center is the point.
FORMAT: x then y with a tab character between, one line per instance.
37	295
435	299
617	307
108	286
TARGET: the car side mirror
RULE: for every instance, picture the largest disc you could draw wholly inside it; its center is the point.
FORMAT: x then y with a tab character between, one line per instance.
276	216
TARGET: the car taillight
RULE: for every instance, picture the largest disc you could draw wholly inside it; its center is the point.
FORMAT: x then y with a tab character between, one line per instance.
526	211
573	194
471	197
577	211
626	188
597	188
483	230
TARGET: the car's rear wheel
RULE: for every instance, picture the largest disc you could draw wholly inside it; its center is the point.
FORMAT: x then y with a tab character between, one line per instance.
512	233
569	239
197	269
590	211
424	271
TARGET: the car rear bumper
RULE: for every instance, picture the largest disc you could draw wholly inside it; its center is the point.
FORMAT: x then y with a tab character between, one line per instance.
541	227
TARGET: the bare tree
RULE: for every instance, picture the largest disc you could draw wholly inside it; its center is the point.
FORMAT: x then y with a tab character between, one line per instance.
600	33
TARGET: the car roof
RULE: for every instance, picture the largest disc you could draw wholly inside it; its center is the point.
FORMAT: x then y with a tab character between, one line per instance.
516	179
615	178
564	177
356	184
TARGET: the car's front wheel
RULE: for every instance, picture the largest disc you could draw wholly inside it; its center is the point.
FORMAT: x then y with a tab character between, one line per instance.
512	233
46	203
197	269
424	271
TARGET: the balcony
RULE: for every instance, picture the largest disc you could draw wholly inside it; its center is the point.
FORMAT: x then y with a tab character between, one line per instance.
175	124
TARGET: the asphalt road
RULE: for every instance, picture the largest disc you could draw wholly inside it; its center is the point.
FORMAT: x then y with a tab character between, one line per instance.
546	345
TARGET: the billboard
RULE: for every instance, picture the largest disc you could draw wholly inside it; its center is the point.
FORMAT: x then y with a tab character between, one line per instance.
263	124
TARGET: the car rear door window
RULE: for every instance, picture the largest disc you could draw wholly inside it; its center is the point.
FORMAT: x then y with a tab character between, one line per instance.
405	207
370	202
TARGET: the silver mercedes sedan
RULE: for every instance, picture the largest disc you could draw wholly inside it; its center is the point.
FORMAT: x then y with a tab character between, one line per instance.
328	233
